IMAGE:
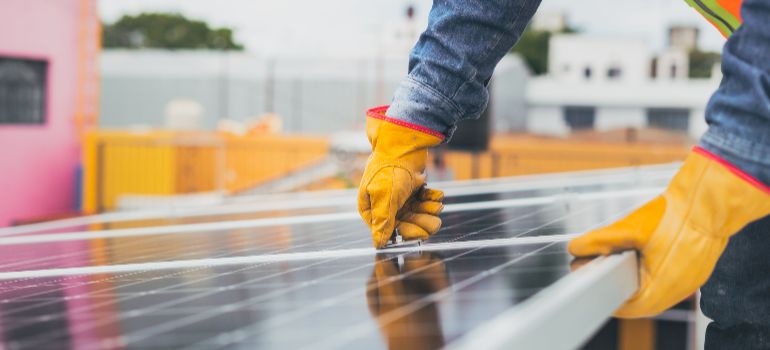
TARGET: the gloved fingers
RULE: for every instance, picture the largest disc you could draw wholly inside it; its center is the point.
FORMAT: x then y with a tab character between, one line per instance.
631	232
578	263
364	206
366	215
644	302
603	241
429	223
656	294
410	231
429	194
427	207
668	275
365	211
386	198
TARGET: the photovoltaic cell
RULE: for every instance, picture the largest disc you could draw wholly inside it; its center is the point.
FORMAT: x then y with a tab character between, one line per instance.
405	299
281	205
286	305
549	219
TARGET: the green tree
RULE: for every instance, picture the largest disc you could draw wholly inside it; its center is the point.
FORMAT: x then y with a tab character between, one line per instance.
533	48
168	31
701	63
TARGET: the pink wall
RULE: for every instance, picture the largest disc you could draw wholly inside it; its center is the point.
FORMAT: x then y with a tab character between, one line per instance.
37	162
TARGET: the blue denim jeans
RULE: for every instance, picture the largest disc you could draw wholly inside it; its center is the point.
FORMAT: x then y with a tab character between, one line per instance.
737	295
738	113
452	63
453	60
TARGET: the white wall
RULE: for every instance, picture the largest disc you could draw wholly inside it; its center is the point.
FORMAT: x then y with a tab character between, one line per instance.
609	118
673	57
547	120
698	124
571	54
618	105
508	95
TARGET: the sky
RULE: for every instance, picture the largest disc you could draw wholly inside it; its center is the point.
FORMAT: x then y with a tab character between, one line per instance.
345	26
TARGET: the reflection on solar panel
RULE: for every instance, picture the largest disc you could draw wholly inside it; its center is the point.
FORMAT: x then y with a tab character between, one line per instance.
302	274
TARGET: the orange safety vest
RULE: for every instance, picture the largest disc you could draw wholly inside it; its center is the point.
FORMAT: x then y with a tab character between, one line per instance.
725	15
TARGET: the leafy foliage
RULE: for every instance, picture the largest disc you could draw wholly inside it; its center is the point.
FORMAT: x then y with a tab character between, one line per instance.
533	48
701	63
168	31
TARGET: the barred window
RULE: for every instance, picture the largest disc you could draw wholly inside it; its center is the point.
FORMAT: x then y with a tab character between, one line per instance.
22	90
579	117
675	119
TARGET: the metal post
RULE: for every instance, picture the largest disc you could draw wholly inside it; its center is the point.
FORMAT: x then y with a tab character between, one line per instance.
224	88
99	176
270	87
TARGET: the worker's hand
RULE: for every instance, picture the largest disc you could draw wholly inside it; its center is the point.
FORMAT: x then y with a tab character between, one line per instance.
681	233
398	283
392	193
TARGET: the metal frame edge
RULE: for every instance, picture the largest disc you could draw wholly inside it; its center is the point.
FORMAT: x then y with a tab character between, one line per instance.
563	315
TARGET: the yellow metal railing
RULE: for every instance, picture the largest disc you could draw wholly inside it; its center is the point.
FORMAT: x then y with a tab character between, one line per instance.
510	156
118	163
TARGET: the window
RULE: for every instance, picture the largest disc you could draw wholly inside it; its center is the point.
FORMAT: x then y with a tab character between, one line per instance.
676	119
579	117
614	72
22	90
587	73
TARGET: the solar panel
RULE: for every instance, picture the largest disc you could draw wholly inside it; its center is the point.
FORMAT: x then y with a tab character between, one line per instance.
307	279
277	205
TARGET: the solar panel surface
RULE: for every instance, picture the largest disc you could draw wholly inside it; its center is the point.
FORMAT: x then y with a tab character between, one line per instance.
300	283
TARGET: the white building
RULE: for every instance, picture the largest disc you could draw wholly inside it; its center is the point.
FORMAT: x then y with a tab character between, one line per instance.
590	59
551	21
606	83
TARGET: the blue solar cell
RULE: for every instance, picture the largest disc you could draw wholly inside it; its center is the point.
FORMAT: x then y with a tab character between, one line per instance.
300	285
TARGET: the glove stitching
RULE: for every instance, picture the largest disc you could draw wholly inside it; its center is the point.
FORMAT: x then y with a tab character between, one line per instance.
683	222
390	201
380	168
696	227
382	165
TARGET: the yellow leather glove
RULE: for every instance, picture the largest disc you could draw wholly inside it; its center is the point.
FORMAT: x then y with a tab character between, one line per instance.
392	193
680	234
394	286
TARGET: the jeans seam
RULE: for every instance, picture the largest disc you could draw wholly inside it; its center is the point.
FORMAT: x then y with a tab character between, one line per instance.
737	147
459	111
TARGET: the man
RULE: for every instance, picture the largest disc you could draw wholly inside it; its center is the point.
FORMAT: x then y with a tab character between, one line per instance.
723	186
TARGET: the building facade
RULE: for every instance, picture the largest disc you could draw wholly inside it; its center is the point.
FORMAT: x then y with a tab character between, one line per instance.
602	83
40	104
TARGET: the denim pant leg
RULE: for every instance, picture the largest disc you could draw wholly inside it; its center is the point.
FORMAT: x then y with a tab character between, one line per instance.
737	296
453	60
739	111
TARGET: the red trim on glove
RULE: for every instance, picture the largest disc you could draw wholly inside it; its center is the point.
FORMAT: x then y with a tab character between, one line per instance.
746	177
379	113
